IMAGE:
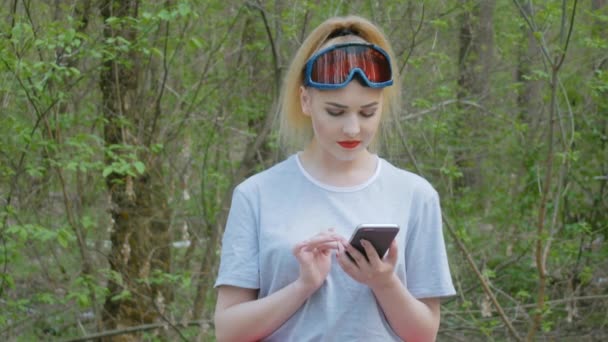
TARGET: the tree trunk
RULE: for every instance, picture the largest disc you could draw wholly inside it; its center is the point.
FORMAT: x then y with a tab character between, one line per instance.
474	63
599	106
140	233
530	98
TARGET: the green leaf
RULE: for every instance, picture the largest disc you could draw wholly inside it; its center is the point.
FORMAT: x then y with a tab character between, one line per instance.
8	280
196	42
107	171
439	24
87	222
586	275
164	15
19	231
184	9
112	20
156	148
140	167
83	300
124	294
63	238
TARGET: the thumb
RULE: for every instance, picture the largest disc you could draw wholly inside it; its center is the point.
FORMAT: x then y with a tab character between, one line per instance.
393	253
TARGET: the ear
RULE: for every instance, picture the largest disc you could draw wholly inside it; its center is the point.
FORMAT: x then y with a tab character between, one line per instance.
305	101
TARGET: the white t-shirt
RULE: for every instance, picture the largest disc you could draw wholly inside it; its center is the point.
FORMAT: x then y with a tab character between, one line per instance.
277	208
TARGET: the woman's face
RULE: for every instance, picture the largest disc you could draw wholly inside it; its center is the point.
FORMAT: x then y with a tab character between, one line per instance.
344	120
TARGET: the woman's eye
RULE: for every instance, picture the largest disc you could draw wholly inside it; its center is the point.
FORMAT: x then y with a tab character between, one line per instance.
334	112
368	114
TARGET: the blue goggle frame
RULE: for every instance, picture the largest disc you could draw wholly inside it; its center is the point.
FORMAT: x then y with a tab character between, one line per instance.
361	56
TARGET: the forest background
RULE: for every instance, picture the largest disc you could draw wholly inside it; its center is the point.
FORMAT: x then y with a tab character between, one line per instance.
125	124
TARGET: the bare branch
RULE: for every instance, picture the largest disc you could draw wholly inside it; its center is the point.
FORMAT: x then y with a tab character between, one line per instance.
463	249
530	21
275	54
563	55
129	330
158	108
413	40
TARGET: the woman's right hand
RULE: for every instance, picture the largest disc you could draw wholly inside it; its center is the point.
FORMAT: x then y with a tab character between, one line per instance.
236	305
314	257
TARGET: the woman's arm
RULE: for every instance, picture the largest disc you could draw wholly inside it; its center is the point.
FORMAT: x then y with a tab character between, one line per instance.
412	319
241	316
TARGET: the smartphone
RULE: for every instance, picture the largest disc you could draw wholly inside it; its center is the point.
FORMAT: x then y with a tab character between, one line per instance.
380	235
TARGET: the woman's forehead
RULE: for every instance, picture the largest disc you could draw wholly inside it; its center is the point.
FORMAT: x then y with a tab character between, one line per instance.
353	94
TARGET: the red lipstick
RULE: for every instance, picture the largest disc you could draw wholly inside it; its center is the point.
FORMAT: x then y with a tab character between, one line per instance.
349	144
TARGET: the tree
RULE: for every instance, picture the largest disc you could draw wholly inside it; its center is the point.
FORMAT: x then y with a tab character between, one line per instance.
134	177
475	60
124	126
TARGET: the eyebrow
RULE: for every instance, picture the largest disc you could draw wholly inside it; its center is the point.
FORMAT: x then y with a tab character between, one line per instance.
372	104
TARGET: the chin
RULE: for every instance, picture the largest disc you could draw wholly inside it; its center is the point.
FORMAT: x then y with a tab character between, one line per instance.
347	156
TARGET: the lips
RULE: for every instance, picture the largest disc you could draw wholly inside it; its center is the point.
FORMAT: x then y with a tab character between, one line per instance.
349	144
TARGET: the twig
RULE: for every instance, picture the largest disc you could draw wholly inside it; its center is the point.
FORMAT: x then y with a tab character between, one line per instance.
241	172
138	328
441	105
462	247
13	16
275	54
413	42
563	54
40	116
541	251
530	21
203	77
161	92
482	280
532	305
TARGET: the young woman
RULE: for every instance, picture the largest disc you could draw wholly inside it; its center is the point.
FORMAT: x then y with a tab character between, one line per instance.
284	273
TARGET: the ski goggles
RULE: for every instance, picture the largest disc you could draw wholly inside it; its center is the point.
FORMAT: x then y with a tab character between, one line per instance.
336	66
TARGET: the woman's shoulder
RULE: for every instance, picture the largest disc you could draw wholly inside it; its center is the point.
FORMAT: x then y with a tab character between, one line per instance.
274	176
403	178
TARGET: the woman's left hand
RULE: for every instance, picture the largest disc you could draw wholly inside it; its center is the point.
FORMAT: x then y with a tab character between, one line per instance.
375	273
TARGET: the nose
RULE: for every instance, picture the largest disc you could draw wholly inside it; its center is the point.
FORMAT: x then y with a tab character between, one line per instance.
351	125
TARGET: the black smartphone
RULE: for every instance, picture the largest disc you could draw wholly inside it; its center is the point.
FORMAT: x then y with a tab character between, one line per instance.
380	235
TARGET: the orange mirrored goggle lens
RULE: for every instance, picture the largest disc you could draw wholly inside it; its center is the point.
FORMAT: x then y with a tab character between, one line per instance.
336	66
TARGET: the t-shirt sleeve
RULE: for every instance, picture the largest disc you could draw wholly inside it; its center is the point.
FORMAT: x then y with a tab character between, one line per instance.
427	268
239	263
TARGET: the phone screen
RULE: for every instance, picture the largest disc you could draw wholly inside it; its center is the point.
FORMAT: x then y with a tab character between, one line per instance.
379	235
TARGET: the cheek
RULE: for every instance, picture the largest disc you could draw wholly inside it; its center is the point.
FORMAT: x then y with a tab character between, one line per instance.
319	127
370	125
325	127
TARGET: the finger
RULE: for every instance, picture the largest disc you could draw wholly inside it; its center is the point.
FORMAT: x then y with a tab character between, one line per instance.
330	232
341	253
325	245
371	253
348	266
344	260
322	243
358	257
393	253
322	237
297	248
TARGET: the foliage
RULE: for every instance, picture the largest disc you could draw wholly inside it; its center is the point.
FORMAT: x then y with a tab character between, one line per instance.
208	67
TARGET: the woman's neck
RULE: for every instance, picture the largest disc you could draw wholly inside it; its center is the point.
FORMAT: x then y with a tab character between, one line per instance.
335	172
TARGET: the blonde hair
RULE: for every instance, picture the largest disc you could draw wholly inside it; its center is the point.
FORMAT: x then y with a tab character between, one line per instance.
295	128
